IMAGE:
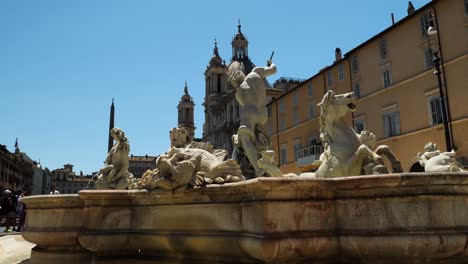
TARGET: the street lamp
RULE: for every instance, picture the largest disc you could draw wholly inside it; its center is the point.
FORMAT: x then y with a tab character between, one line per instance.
432	31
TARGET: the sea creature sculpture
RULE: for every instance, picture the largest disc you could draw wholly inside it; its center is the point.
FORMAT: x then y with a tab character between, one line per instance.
183	167
344	153
115	174
433	160
189	164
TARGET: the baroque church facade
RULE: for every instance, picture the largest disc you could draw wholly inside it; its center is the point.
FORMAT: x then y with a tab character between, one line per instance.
221	108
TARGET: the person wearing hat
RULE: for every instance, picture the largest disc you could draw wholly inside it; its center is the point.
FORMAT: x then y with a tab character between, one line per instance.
8	209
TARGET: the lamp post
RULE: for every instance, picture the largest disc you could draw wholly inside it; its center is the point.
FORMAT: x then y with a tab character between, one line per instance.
432	31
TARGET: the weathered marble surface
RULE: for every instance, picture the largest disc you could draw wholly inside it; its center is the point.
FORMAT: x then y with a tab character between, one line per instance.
251	141
345	152
14	249
189	164
418	217
115	174
368	138
433	160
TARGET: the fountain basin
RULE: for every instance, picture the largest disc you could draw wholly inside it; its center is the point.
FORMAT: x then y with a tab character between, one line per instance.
396	217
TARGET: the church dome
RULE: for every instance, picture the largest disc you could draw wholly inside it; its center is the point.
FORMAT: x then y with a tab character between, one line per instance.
240	60
239	35
244	65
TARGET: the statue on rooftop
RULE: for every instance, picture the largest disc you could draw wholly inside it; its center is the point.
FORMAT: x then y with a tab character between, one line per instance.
433	160
115	174
253	147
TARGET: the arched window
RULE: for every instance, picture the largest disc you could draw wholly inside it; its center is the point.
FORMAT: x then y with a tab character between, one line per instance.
218	83
187	115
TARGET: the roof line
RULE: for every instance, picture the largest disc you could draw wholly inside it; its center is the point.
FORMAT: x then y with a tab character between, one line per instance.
347	54
401	21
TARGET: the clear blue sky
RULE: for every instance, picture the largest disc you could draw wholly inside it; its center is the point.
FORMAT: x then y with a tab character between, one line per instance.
62	62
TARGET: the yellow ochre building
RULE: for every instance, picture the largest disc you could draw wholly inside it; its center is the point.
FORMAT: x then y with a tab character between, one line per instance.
392	74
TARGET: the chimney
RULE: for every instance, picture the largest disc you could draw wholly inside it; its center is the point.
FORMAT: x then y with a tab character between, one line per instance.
338	55
410	8
393	19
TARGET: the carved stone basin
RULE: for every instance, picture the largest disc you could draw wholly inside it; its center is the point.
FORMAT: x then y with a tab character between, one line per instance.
395	218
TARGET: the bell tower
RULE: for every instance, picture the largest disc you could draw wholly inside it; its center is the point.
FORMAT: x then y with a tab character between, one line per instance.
240	45
185	114
216	75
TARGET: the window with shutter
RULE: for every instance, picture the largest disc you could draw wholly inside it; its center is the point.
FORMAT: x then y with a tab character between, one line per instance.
311	110
424	24
391	123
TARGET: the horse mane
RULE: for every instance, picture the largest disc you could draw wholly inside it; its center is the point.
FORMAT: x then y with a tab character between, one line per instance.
324	137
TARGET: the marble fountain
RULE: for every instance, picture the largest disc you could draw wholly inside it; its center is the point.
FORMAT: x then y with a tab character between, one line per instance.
199	207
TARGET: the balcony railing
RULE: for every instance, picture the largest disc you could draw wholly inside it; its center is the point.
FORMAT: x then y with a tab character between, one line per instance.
308	154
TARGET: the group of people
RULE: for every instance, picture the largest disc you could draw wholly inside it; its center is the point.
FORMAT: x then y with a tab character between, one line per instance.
11	208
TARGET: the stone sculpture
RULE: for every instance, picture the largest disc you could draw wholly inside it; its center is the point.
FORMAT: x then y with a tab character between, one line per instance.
267	162
368	138
433	160
344	153
115	174
251	141
193	164
178	136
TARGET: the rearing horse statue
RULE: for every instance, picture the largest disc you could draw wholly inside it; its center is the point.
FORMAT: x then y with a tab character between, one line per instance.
344	153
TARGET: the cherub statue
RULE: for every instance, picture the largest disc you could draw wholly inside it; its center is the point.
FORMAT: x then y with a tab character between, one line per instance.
115	174
433	160
368	138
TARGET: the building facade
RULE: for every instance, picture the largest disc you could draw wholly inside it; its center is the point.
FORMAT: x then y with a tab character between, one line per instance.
140	164
294	117
221	107
16	169
73	184
392	74
66	181
41	180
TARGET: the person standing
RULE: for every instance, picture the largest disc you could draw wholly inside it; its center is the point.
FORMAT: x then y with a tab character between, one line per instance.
8	209
20	211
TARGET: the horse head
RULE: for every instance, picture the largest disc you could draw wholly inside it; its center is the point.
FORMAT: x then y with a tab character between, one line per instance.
336	106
